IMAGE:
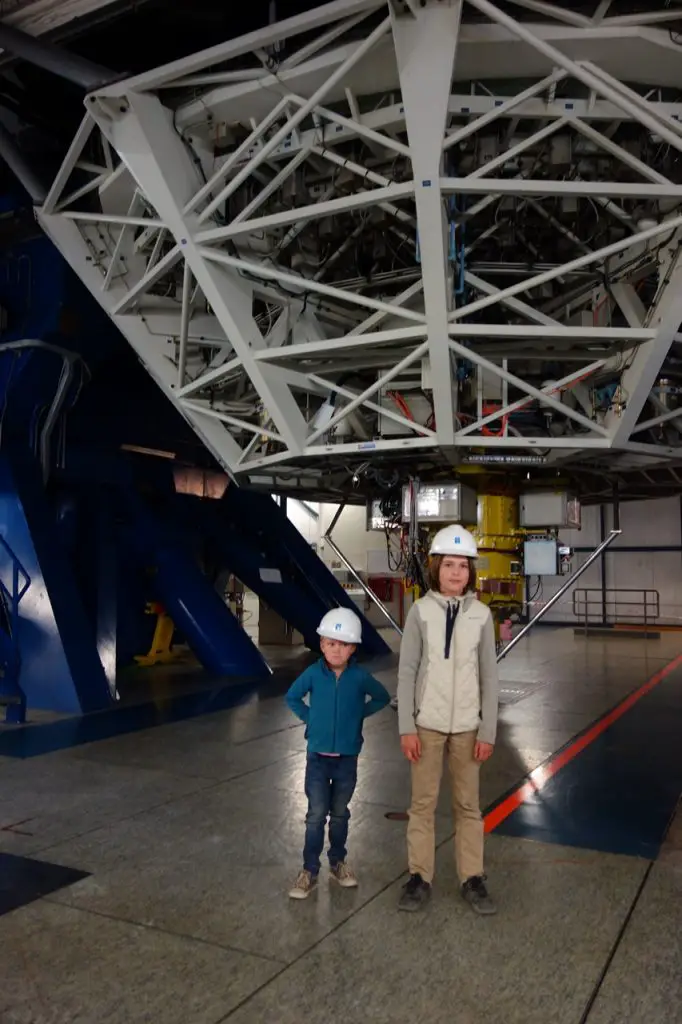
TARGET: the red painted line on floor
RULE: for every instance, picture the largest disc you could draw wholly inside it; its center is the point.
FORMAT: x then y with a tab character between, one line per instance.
540	776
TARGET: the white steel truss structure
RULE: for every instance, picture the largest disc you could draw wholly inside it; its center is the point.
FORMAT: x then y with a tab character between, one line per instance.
330	238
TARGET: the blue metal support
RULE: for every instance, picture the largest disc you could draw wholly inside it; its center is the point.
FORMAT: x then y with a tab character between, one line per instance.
195	607
11	693
268	554
60	669
106	567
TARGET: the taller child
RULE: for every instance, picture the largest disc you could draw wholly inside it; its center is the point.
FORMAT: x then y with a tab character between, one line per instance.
448	695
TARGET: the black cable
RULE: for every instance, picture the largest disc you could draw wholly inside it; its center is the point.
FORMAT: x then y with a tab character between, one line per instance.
614	949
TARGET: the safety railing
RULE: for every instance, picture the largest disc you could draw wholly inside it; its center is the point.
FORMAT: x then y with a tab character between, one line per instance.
596	606
12	593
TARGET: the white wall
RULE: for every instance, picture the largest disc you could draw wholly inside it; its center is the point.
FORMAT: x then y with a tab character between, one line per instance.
655	523
650	524
350	534
644	524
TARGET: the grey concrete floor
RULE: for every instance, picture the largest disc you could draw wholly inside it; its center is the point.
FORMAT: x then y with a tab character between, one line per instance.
192	832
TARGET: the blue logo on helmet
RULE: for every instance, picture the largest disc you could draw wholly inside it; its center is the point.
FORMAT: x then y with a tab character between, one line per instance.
338	626
457	540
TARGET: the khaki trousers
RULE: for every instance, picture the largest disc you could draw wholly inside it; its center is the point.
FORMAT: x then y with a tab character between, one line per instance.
464	780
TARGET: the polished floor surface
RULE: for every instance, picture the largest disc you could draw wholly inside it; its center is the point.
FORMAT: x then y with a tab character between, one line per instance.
146	865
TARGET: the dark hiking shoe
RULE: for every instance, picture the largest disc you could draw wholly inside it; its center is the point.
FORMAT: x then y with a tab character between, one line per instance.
475	893
416	894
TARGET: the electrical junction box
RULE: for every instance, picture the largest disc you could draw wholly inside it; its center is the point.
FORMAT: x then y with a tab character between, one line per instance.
442	503
540	558
549	509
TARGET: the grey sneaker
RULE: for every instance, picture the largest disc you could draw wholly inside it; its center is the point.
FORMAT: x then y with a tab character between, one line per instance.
342	874
416	894
476	894
303	886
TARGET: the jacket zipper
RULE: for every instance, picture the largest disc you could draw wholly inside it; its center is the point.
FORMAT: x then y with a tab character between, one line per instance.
336	709
454	674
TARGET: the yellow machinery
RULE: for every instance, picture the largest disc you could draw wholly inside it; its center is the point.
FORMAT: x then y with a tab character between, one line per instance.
494	517
499	569
161	651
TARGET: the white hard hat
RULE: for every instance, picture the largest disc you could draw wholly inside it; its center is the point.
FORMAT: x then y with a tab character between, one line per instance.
341	624
454	540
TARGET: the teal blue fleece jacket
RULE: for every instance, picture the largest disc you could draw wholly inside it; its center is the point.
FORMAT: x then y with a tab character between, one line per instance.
336	708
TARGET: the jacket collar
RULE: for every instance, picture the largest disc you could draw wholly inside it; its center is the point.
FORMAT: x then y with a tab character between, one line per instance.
329	671
463	602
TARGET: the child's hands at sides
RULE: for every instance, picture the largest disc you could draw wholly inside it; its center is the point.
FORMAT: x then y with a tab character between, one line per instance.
411	747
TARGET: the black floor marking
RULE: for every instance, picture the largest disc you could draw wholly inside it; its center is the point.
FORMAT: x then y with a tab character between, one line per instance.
24	880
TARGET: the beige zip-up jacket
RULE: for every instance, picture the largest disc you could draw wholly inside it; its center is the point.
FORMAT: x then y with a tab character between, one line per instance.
457	694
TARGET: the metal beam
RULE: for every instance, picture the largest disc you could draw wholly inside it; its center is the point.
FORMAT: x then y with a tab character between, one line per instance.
615	150
637	101
547	399
664	317
288	127
542	187
289	28
657	421
499	108
430	40
385	378
565	383
313	211
555	11
58	61
322	41
400	300
509	154
330	346
516	305
265	270
26	174
391	118
577	264
68	164
382	410
579	71
234	158
65	235
162	167
645	18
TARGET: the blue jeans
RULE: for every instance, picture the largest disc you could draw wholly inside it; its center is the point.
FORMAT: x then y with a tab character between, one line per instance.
329	786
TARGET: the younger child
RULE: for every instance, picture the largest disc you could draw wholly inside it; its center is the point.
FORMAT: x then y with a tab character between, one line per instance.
337	691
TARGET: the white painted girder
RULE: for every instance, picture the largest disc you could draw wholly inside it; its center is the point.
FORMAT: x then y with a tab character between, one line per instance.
171	203
68	239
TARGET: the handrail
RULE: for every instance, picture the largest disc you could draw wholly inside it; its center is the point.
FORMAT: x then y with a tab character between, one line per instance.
17	570
582	603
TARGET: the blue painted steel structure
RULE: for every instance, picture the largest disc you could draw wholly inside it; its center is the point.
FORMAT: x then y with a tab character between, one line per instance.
11	593
101	533
252	534
60	669
209	626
